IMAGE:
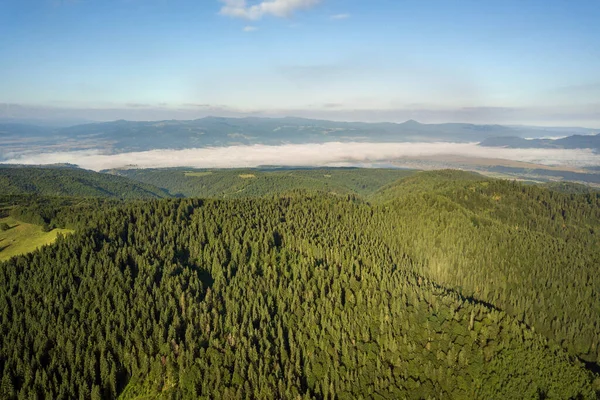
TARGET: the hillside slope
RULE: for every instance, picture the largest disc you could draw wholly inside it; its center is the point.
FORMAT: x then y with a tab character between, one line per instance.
528	250
286	298
22	238
260	182
64	181
443	285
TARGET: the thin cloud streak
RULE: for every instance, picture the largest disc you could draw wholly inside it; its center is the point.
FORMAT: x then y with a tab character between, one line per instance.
276	8
340	16
303	155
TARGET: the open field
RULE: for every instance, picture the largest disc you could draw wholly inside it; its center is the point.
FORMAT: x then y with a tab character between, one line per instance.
198	173
23	238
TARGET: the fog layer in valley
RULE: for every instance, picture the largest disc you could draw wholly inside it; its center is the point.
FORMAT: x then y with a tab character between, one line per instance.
302	155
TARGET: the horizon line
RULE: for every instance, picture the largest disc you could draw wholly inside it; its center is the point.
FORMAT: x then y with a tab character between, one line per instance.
83	121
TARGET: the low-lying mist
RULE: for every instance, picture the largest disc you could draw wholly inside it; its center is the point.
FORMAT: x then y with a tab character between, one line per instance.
302	155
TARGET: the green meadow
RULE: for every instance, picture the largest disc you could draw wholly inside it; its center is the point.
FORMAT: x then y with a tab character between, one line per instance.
22	238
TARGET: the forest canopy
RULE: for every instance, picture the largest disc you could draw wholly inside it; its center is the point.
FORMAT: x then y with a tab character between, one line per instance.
438	284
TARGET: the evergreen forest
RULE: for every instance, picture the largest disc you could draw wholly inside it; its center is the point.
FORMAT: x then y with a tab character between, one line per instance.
300	284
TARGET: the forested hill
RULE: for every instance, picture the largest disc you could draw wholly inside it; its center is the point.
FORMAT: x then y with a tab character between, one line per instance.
260	182
571	187
524	248
69	181
443	285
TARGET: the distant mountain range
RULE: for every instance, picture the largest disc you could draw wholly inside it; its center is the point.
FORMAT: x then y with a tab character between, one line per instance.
126	136
570	142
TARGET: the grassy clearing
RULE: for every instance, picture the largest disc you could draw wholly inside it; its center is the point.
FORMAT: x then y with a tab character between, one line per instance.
247	176
198	174
23	238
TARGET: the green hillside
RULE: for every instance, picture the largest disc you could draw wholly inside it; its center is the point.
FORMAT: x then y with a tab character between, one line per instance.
237	183
22	238
65	181
571	187
528	250
442	285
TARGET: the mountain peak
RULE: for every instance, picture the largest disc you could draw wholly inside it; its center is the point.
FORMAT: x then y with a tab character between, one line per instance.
411	122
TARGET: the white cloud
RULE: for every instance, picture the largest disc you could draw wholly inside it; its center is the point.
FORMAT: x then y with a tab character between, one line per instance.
250	28
276	8
332	153
340	16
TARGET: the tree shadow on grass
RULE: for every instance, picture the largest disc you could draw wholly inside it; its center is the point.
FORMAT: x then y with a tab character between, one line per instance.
9	228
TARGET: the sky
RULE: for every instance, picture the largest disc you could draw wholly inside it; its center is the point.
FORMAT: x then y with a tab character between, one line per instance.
533	62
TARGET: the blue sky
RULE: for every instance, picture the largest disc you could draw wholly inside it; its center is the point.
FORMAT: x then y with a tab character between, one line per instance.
532	62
